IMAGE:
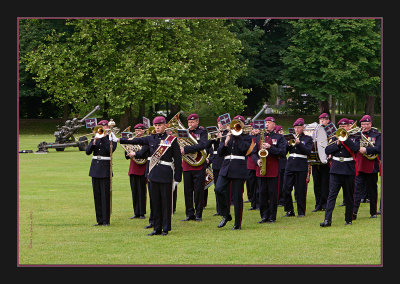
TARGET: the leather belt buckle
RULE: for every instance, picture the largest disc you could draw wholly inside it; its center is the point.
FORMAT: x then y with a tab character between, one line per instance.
341	159
98	158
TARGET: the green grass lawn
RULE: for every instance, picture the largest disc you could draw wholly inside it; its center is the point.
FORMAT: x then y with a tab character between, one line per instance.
56	213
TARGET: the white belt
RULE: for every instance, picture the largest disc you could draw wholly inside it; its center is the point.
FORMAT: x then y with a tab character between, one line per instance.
342	159
101	158
231	157
162	162
297	155
215	152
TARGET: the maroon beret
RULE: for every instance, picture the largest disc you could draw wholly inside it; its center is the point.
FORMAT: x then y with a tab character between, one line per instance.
278	128
351	121
299	122
343	121
324	115
103	122
366	118
159	119
270	118
139	126
240	118
192	116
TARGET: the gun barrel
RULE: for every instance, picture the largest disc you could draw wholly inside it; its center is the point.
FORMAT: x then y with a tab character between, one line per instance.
86	116
258	114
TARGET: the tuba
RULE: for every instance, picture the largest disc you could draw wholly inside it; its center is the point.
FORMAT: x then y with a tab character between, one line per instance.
263	153
193	159
364	142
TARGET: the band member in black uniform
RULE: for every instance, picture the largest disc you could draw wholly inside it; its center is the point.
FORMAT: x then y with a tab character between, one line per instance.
165	170
275	144
215	160
368	169
100	173
296	170
320	175
342	174
137	177
252	180
194	176
233	173
282	165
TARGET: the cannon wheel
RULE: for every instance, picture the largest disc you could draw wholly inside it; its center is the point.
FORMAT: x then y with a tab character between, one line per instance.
83	143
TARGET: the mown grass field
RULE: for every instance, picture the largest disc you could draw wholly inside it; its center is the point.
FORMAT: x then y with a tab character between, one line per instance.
56	214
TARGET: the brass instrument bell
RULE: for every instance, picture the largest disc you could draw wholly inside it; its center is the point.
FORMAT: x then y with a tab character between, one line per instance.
236	127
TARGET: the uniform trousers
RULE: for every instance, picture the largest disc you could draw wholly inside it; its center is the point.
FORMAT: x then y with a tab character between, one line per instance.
320	175
268	197
138	189
366	182
161	199
280	186
151	218
336	181
193	182
251	185
101	193
298	180
222	188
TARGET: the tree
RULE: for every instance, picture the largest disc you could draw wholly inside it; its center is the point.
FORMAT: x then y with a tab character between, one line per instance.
333	57
127	64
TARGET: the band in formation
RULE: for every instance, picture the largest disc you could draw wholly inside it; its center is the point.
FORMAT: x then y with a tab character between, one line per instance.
258	153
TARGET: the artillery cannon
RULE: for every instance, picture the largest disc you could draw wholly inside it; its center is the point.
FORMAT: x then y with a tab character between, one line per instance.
65	136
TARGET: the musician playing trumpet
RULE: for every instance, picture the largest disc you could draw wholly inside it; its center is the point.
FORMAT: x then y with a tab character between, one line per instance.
275	145
342	172
296	170
368	167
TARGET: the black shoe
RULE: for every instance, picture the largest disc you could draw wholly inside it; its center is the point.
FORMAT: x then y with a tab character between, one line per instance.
189	218
289	214
154	233
224	221
326	223
301	215
367	200
164	233
106	224
141	217
149	226
271	221
252	208
373	216
236	227
354	216
363	200
264	220
216	214
349	223
342	204
97	224
198	219
247	201
134	217
317	209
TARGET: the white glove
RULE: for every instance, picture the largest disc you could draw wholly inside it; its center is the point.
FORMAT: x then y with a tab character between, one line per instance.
175	184
113	137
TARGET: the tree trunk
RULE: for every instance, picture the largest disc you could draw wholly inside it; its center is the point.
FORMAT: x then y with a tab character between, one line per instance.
124	120
105	109
142	110
370	105
65	112
324	107
333	111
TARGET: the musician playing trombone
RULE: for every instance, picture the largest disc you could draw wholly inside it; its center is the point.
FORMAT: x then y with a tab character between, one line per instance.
368	167
342	171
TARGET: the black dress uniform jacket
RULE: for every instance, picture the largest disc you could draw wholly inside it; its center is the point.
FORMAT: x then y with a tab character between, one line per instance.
342	167
100	168
304	148
161	173
238	146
